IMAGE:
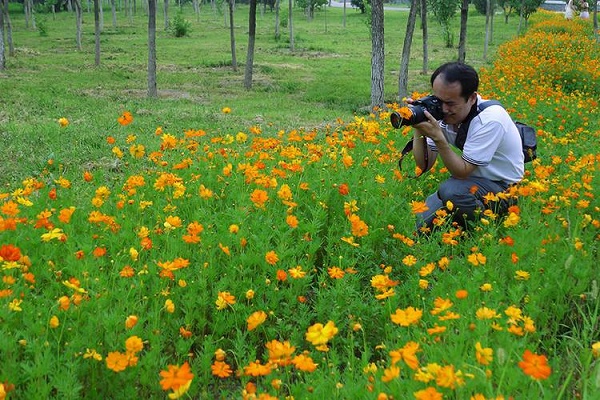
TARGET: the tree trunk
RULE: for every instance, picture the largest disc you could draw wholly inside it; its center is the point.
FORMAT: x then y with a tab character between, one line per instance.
403	73
425	68
232	34
377	54
78	22
166	13
8	26
113	10
97	32
291	24
2	50
344	19
277	23
196	6
152	92
487	28
462	41
251	39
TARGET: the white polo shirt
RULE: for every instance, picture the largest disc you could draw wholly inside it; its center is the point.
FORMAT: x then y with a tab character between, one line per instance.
493	145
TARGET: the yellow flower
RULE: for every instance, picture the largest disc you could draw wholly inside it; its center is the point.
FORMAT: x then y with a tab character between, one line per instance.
319	334
596	349
63	122
484	355
169	306
521	275
226	110
15	305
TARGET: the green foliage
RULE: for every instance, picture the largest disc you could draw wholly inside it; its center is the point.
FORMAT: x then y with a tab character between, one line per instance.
180	26
41	23
212	135
362	5
444	11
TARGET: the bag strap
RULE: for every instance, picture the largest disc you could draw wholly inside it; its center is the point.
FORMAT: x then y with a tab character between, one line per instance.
461	134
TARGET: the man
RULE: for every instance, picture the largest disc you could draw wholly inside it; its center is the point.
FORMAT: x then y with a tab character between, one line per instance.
492	156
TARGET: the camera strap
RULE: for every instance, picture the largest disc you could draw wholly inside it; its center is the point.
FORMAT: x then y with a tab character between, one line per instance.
407	149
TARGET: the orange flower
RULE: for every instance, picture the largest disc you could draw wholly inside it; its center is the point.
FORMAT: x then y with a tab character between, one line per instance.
255	319
418	207
175	377
407	317
131	321
280	353
224	299
117	361
304	363
8	252
259	197
255	368
428	394
134	344
335	272
292	221
221	369
271	257
125	119
536	366
343	189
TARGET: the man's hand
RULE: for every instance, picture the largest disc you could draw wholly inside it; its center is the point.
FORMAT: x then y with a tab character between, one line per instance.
430	128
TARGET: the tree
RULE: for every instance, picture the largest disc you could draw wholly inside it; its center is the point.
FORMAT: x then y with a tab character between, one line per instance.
444	11
462	41
277	7
309	6
2	55
8	27
166	14
489	14
97	32
152	91
78	22
113	11
232	34
291	23
251	40
362	5
377	54
425	34
410	29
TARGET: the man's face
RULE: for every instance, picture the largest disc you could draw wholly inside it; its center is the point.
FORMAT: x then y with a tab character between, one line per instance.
455	107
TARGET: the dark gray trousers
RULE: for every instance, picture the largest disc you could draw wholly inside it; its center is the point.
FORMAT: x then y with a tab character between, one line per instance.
467	198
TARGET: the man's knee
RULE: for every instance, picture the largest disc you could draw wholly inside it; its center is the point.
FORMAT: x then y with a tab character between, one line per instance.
452	191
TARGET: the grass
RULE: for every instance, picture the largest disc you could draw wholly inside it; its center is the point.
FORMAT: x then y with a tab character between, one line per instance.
326	78
254	246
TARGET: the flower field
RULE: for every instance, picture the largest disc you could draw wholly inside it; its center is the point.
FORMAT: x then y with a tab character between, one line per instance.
271	264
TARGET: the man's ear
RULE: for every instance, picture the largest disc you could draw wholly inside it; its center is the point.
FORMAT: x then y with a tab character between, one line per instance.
473	98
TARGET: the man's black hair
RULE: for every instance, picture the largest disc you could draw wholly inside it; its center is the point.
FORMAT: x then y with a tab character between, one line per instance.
458	72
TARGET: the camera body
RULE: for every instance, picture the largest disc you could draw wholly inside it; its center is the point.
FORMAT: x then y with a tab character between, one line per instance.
417	111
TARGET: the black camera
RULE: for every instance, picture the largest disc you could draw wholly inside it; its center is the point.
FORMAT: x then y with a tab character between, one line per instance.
417	109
